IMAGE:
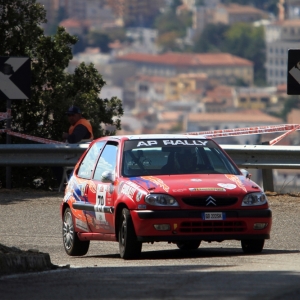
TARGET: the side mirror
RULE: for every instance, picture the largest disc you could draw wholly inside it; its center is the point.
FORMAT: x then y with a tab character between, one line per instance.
107	177
246	173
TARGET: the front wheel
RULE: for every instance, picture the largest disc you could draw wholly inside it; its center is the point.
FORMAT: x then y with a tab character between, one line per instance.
252	246
189	245
72	244
129	246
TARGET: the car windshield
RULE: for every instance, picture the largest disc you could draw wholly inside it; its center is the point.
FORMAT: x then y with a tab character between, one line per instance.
174	156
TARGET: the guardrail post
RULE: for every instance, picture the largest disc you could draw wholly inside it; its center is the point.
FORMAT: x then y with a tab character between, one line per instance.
8	141
267	176
268	184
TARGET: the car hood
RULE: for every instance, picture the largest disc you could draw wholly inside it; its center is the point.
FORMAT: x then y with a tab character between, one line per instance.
197	183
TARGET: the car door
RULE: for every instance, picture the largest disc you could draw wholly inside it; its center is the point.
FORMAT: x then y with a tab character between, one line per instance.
100	192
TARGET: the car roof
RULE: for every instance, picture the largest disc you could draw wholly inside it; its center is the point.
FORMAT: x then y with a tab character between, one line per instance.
159	136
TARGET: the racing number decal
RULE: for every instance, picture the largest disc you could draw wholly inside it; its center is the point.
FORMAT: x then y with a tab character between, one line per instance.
100	202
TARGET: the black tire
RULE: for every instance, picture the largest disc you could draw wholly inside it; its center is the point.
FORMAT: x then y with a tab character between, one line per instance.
252	246
130	247
188	245
72	244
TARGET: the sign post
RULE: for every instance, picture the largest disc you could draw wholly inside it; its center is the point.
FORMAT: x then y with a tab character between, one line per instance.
14	84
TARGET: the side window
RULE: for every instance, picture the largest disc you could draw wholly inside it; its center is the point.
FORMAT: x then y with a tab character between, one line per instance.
107	161
87	165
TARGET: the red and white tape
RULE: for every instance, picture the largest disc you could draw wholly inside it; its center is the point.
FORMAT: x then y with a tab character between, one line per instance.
31	138
290	128
5	116
247	130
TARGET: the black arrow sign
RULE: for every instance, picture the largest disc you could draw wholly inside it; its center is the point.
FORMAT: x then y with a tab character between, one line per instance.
293	77
15	78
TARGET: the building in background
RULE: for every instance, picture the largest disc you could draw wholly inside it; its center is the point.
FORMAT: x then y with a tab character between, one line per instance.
234	13
135	12
51	7
277	50
223	67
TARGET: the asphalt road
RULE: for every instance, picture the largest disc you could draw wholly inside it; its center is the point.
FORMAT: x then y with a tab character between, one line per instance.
30	220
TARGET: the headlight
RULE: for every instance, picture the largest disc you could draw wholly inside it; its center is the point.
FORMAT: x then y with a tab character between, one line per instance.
254	199
160	200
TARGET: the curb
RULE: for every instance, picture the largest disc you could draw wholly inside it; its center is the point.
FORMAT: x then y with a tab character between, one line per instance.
14	260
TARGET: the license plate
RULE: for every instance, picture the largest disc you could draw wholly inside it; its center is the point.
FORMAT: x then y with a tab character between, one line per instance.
213	216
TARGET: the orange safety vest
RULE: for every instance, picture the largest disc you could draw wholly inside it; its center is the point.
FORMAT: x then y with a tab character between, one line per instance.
85	123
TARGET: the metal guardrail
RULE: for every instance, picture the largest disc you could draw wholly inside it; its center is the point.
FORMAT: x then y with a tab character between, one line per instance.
40	154
245	156
264	156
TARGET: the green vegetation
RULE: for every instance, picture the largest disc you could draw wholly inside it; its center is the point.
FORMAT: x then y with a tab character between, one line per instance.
268	5
52	89
241	39
290	103
171	27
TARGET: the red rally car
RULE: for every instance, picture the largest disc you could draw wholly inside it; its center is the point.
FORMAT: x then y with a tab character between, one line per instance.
180	189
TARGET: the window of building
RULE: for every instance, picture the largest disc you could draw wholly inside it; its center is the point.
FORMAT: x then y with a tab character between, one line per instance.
143	88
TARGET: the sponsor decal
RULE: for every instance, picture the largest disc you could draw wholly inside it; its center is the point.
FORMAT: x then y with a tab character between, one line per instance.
227	186
67	196
179	190
128	190
156	181
111	189
92	187
138	196
196	179
81	225
172	143
120	186
207	189
237	181
142	182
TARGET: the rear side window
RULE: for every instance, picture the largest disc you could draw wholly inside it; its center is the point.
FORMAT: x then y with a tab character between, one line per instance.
87	165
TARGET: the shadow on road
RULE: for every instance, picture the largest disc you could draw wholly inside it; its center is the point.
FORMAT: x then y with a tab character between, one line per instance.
199	253
152	282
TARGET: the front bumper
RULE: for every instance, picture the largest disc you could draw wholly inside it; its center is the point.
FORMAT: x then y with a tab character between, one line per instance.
189	225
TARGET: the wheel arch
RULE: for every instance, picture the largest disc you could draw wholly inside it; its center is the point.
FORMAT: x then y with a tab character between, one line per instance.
64	206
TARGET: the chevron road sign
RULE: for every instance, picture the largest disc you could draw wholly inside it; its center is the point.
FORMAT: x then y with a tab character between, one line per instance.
293	72
14	78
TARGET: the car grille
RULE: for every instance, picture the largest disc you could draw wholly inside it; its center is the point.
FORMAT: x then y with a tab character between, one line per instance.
202	201
212	226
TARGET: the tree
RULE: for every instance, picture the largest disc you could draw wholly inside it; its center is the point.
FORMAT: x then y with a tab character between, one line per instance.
99	39
290	103
170	27
241	39
211	39
52	89
247	41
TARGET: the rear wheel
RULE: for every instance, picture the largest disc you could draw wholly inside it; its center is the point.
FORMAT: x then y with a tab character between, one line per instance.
189	245
72	244
129	246
252	246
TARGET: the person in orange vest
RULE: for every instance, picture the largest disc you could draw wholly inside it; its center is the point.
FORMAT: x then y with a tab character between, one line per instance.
80	129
